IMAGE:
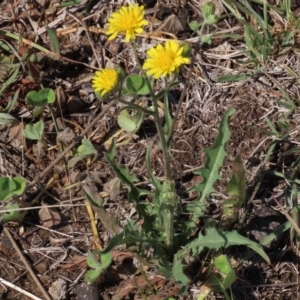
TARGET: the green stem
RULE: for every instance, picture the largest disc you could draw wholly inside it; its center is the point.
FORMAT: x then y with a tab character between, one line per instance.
167	161
135	106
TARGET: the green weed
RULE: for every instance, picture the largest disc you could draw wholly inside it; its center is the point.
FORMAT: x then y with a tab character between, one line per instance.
159	228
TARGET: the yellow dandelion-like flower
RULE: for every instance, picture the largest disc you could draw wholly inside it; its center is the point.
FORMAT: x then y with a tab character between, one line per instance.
166	60
104	81
129	19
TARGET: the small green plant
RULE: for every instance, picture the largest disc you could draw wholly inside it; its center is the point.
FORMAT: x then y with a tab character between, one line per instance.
9	189
40	99
98	266
35	131
85	150
163	232
262	39
208	13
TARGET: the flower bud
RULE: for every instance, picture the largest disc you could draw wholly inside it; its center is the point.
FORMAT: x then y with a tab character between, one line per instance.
187	49
208	9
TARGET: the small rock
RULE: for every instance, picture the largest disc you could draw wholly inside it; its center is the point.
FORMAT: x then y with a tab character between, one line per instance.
58	289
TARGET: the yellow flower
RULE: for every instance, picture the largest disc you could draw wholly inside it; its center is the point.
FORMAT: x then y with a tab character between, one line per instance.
129	19
166	60
104	81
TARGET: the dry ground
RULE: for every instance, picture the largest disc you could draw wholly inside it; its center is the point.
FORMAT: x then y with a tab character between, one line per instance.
56	250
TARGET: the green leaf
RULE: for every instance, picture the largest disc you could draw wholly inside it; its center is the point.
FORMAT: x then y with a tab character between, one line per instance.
93	262
130	123
220	277
47	95
92	195
195	25
114	242
35	131
15	215
179	275
106	260
216	239
41	98
7	186
133	83
136	85
144	89
33	98
9	81
222	264
20	185
126	122
6	119
154	180
10	187
210	172
55	46
11	103
86	149
92	275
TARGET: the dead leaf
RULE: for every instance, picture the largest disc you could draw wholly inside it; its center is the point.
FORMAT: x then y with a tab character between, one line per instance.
60	104
139	283
16	135
49	216
130	286
75	104
74	262
112	188
119	256
66	136
38	150
172	24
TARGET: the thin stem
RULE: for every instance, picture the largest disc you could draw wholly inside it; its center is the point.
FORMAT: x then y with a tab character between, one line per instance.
135	106
167	161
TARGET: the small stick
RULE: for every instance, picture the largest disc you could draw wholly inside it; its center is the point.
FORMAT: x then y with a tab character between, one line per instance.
26	264
11	285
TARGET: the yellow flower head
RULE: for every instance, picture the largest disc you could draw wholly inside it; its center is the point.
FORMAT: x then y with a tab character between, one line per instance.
104	81
166	60
129	19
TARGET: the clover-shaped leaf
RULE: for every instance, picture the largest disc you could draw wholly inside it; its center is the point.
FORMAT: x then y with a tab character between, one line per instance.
14	215
40	99
35	131
130	123
10	187
136	85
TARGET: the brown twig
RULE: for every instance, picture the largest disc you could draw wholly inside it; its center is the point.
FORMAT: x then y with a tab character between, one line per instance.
26	264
